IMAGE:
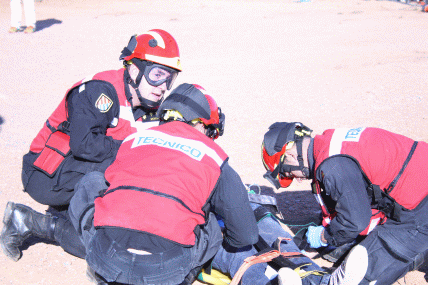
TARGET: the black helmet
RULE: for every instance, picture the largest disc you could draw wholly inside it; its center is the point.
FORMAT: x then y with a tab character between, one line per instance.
188	103
275	144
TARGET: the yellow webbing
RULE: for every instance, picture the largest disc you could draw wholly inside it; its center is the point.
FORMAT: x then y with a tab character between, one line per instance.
215	278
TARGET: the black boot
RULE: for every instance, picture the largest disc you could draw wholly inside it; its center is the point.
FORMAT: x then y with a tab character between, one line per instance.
21	222
337	254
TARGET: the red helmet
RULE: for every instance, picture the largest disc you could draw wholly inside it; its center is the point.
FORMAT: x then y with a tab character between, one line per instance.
214	115
216	121
156	45
275	142
271	163
191	102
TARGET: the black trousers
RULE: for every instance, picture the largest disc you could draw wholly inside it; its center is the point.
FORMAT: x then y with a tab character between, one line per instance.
57	189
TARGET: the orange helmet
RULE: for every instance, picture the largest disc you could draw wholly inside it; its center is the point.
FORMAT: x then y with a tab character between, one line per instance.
156	45
276	141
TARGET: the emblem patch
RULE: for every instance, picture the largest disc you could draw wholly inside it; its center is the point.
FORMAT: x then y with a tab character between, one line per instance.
103	103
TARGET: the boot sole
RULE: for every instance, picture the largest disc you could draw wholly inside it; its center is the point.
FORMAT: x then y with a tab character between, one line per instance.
339	254
6	218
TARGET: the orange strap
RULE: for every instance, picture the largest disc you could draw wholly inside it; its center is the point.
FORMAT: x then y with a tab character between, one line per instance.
261	258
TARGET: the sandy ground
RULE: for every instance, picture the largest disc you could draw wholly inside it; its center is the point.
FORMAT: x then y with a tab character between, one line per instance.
326	63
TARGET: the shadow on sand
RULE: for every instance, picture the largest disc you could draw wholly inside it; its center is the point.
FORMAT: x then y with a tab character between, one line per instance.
297	207
43	24
1	122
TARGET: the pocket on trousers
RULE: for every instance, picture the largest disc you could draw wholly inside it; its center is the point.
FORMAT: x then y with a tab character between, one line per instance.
399	243
100	262
173	277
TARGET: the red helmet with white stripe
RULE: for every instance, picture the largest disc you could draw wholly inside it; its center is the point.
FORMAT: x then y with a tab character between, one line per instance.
155	54
156	45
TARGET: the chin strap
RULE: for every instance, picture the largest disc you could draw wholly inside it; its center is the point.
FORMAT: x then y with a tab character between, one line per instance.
148	104
303	168
145	103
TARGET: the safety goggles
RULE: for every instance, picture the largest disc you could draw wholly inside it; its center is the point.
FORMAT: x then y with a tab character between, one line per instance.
157	74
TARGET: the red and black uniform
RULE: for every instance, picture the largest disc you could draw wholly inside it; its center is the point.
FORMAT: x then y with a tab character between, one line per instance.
345	162
157	216
83	134
173	175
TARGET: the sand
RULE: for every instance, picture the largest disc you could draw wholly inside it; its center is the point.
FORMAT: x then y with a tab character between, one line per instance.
326	63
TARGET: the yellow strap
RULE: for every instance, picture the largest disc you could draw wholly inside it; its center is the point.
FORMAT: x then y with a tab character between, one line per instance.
218	278
303	273
215	278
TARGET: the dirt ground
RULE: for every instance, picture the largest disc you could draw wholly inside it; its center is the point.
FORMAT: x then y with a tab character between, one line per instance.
326	63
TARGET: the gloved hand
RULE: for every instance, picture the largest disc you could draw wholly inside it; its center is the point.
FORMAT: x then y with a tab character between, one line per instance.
313	235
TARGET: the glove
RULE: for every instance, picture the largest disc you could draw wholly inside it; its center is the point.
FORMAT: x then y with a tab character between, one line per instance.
313	235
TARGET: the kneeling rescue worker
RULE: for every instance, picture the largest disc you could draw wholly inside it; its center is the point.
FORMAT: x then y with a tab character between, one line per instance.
369	182
84	133
154	214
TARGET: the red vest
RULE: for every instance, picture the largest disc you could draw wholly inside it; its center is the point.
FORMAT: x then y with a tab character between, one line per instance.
159	182
126	124
381	155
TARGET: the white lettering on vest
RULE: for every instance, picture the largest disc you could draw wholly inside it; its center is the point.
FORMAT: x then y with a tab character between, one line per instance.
192	148
341	135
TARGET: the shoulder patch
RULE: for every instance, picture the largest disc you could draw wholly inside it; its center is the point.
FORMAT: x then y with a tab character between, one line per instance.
103	103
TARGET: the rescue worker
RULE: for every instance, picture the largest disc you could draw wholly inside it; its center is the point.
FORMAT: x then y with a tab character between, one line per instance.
153	215
84	133
96	114
369	182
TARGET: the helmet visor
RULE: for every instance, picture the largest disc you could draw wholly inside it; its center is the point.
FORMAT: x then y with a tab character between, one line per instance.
277	179
157	74
274	166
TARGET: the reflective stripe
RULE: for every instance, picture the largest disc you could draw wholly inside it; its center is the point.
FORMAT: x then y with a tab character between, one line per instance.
373	224
173	61
341	135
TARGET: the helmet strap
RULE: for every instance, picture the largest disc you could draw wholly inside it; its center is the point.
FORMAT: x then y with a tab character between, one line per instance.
145	103
288	168
212	132
303	168
141	65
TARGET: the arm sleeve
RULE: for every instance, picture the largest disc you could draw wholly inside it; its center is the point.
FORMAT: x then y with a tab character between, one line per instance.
344	182
230	201
88	123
